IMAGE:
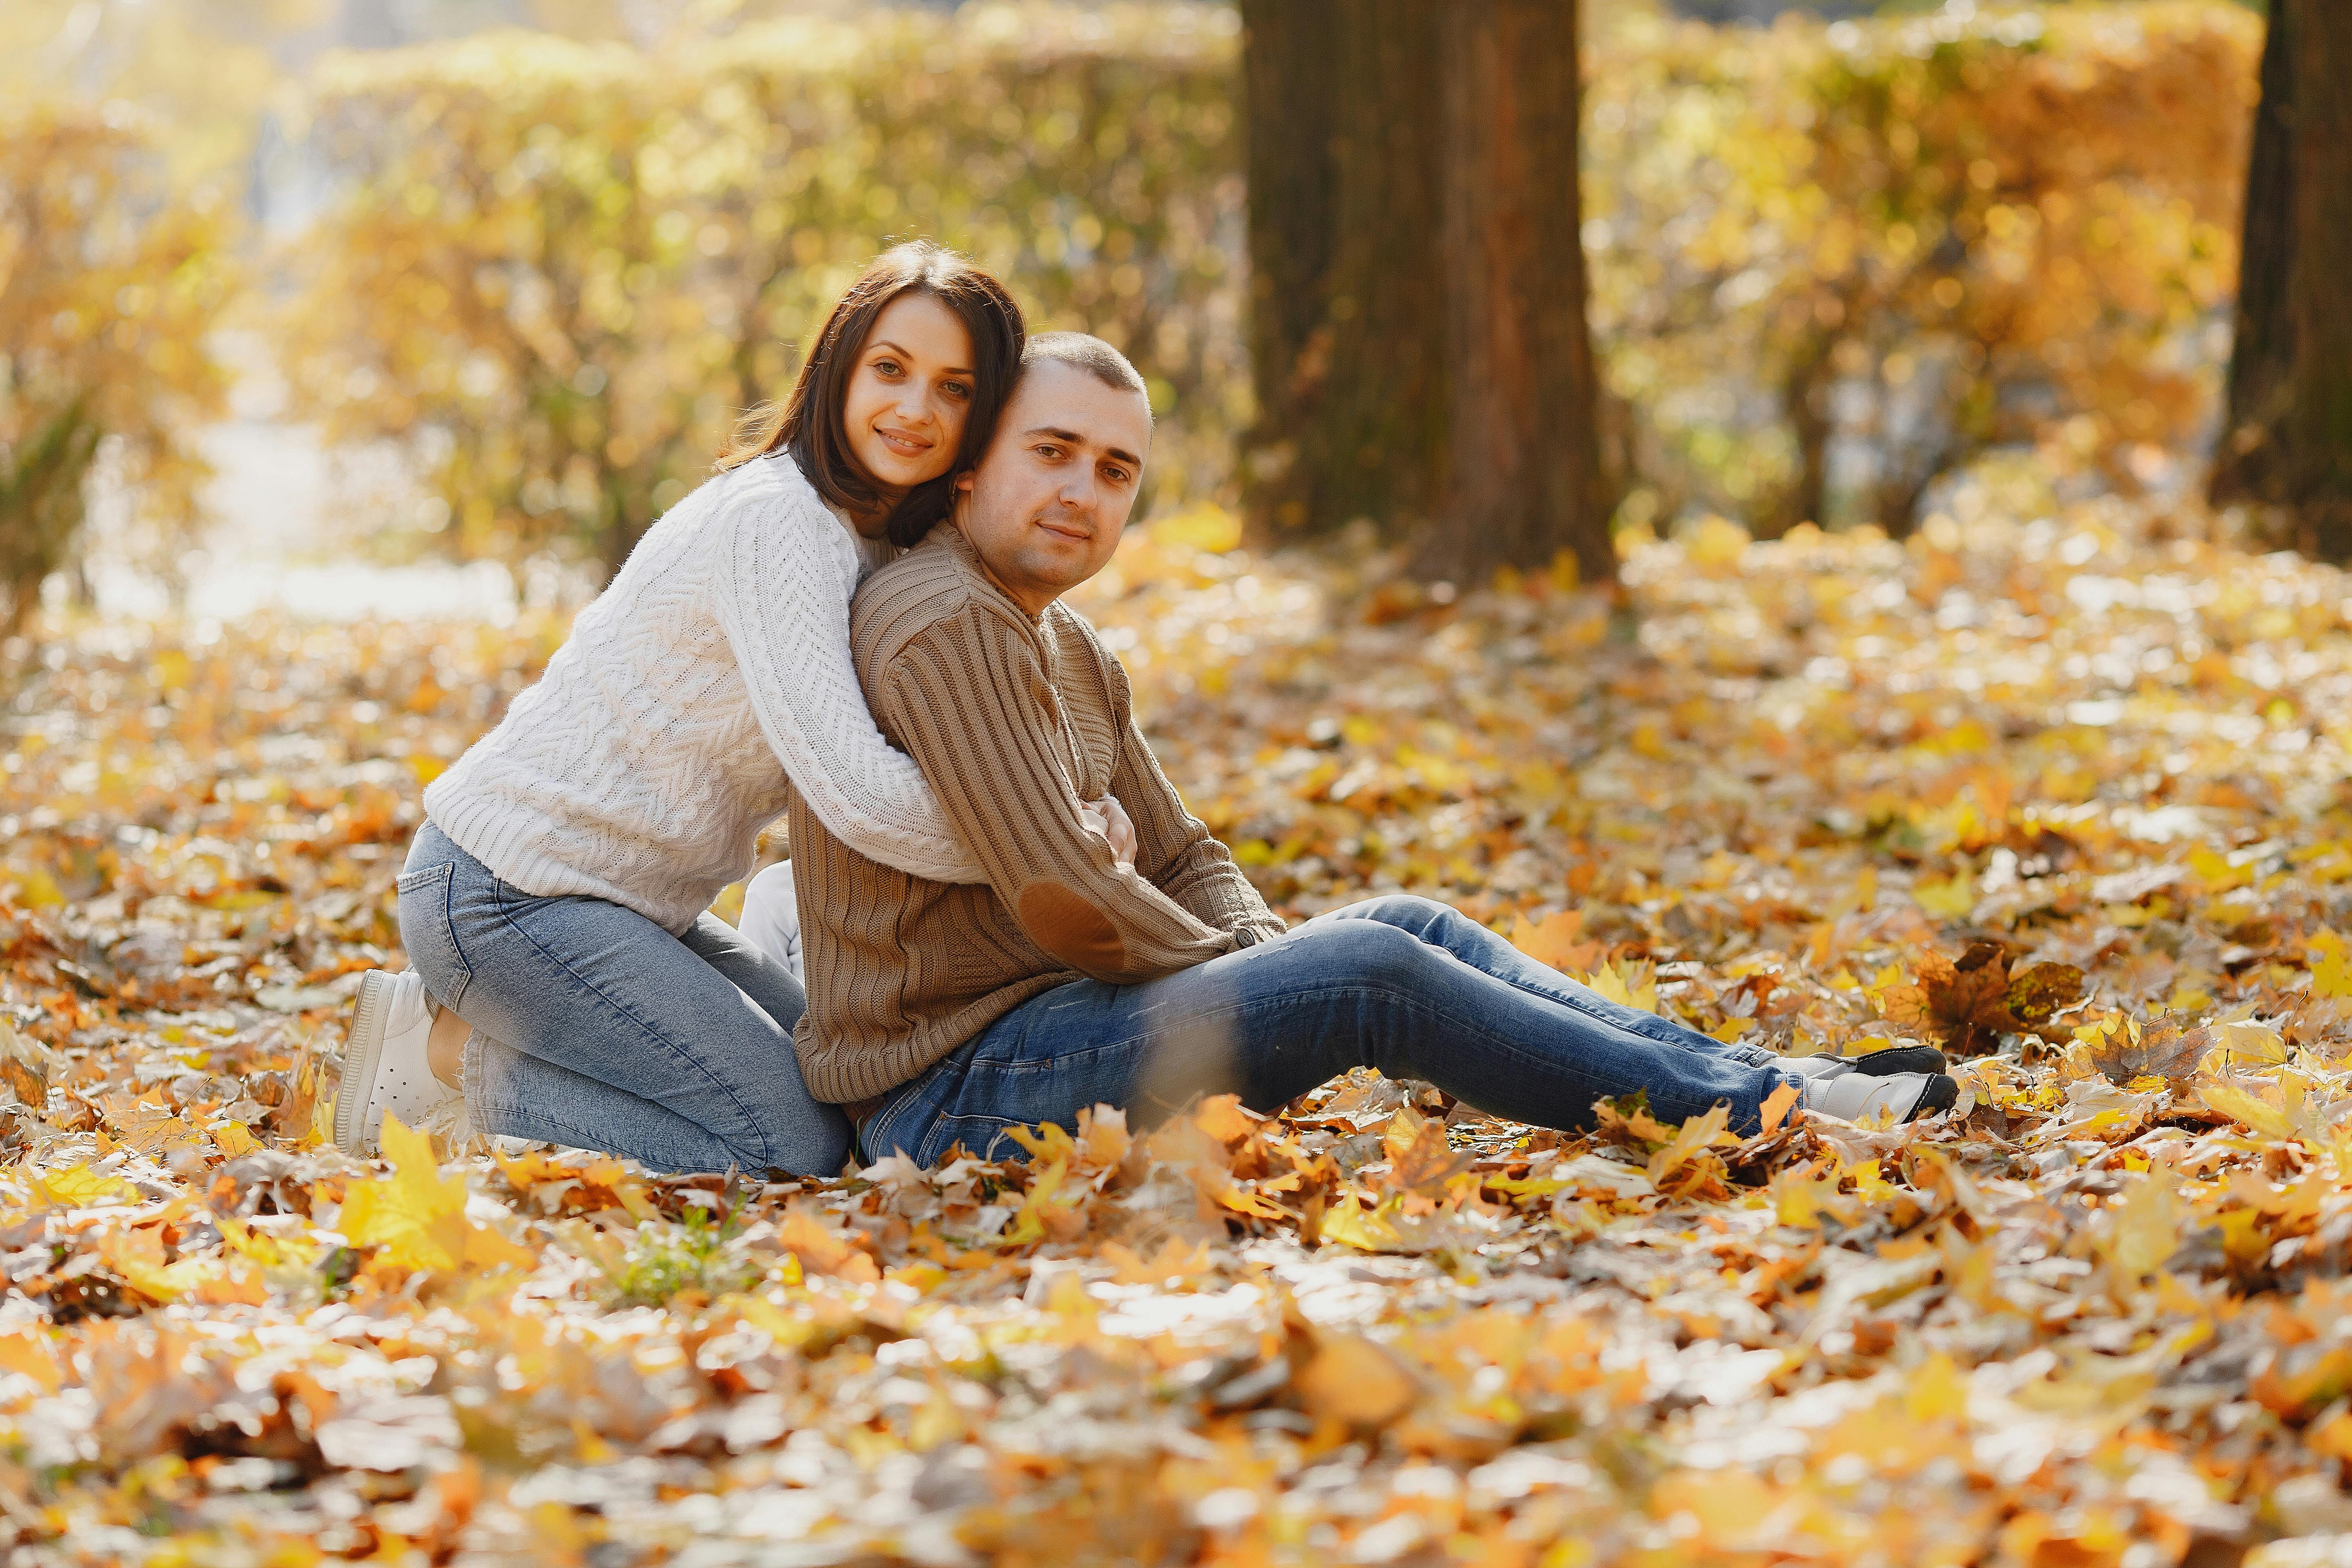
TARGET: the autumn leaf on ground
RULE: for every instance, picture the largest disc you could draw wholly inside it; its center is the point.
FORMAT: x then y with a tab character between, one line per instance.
25	1067
2163	1050
1963	1006
1558	942
1627	1120
1352	1382
417	1216
2330	958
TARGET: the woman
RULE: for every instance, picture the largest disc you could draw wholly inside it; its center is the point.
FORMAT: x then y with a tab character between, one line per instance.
556	895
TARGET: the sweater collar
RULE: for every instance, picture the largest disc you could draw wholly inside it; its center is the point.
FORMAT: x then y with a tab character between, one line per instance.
952	539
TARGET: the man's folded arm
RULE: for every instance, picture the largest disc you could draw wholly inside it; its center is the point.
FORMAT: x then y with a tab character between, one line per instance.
1176	851
966	697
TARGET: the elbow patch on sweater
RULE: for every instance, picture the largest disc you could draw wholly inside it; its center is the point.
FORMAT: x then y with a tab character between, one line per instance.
1067	926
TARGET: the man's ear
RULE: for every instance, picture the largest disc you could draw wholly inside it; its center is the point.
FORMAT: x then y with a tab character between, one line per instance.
964	481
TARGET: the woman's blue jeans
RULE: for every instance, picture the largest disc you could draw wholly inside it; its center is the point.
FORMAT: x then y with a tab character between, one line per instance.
1400	983
594	1027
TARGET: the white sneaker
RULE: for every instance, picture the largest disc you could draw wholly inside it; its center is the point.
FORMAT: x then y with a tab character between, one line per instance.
1870	1064
771	917
384	1066
1855	1097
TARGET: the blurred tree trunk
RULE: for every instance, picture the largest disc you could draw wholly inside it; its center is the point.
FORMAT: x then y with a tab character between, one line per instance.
1525	479
2288	440
1417	295
1345	260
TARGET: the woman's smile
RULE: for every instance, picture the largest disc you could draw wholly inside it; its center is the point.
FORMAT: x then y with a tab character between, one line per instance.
908	399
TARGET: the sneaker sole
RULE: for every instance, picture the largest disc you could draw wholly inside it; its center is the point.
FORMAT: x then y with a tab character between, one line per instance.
362	1057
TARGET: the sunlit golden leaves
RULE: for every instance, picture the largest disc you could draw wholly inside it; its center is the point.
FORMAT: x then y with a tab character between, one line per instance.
2094	1307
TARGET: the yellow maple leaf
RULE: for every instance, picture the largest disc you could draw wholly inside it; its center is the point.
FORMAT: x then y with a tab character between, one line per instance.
1350	1223
417	1216
1627	983
2330	958
2244	1108
80	1187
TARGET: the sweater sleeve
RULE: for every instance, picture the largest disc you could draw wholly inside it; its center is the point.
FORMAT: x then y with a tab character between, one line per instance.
1173	848
969	696
782	591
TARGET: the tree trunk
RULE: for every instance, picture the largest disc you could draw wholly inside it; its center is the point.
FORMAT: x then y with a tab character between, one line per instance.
1346	262
1287	103
2261	356
2288	437
1812	374
1524	476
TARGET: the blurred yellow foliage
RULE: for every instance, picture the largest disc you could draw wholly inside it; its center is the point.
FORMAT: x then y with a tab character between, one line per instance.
1933	234
563	270
107	282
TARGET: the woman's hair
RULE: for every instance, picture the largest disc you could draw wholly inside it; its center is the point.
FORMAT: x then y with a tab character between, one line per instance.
809	423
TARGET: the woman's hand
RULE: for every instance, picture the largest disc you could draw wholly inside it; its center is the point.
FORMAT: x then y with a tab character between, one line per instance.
1108	818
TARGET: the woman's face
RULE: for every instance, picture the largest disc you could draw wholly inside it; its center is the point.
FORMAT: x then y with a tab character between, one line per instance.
908	397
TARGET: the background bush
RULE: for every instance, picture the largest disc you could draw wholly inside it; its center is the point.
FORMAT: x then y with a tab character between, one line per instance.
1829	260
563	270
109	281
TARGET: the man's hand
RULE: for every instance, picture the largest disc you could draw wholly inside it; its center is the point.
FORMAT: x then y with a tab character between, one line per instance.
1108	817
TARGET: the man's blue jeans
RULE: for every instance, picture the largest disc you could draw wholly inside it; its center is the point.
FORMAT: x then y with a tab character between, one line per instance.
594	1027
1400	983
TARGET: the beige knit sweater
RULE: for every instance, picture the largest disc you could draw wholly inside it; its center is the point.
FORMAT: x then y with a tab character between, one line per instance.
1014	721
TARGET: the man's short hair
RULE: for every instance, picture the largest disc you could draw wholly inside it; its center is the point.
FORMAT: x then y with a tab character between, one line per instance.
1082	350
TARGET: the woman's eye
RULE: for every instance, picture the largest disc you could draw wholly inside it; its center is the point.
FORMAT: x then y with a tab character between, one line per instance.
956	389
887	366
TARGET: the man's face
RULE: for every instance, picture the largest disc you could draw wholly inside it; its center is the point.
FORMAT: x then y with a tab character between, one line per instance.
1046	505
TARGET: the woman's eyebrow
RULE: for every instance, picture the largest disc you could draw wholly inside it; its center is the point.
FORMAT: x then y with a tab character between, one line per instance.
894	348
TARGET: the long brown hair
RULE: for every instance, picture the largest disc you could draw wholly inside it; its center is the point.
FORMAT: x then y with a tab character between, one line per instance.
809	422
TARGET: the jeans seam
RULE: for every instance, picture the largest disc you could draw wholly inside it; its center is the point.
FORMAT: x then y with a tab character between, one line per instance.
497	894
444	909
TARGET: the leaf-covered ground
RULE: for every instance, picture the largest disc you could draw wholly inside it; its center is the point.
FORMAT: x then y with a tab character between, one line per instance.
2065	794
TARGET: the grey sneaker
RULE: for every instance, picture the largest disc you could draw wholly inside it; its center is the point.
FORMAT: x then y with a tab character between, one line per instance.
1855	1097
383	1061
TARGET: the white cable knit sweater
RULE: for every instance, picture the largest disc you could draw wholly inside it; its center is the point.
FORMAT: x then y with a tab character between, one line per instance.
642	766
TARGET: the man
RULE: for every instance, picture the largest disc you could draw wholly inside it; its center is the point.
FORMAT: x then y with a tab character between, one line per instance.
941	1014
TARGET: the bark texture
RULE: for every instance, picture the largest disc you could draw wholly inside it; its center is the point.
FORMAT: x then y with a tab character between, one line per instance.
1418	285
1344	235
1524	478
2287	441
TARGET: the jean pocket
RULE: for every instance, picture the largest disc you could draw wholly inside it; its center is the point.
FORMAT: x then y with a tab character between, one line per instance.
430	935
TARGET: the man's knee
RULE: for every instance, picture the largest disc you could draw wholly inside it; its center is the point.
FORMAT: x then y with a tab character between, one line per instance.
1406	911
1368	951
